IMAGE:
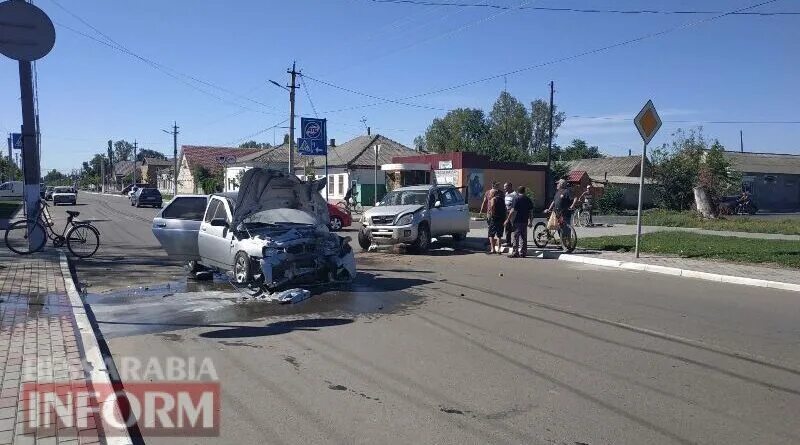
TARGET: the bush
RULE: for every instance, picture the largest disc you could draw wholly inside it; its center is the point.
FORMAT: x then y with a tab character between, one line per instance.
612	201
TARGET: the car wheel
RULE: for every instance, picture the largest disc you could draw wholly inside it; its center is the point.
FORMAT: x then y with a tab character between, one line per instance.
241	268
363	239
459	236
336	223
131	203
423	242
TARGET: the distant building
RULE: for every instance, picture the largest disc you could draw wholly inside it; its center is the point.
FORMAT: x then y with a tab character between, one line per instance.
772	179
123	173
618	171
154	168
193	157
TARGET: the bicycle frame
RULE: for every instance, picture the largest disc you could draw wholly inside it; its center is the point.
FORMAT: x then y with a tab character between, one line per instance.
44	218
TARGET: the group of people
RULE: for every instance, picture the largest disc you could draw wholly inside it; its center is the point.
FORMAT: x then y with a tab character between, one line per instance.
511	212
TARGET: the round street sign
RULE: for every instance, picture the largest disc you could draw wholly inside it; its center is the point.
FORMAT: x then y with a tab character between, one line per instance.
26	32
312	130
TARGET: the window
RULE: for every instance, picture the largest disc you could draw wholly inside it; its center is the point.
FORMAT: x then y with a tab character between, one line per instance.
222	213
6	186
211	212
448	197
770	179
330	184
340	190
189	208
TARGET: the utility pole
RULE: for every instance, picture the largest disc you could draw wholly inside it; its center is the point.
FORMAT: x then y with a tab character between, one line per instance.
741	142
377	150
174	133
102	175
292	87
135	148
548	180
30	147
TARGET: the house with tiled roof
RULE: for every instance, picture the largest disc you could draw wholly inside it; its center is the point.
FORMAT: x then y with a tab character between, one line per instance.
621	172
213	159
154	168
349	164
773	179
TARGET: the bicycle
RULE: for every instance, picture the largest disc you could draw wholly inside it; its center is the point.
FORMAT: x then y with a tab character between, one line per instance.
581	217
350	209
82	239
542	235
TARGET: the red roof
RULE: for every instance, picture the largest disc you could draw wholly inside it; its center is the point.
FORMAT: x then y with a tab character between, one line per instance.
575	175
208	157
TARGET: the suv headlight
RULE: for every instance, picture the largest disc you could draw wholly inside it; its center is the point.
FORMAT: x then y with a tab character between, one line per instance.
405	219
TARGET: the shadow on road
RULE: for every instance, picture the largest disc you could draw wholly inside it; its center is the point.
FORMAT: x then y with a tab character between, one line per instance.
277	328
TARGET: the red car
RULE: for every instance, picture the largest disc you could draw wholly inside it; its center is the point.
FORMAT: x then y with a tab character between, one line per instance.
339	218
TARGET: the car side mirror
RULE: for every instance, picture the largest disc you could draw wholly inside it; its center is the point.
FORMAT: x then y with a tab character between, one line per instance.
437	204
218	222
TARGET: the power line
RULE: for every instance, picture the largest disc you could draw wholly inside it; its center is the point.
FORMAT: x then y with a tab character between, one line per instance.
580	10
751	122
638	39
259	132
372	96
308	95
111	43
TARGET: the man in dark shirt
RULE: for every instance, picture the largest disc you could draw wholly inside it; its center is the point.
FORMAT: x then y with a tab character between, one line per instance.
520	218
563	202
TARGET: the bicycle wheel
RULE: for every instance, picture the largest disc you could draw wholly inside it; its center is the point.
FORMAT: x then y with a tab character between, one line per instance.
541	236
83	240
570	241
19	234
583	218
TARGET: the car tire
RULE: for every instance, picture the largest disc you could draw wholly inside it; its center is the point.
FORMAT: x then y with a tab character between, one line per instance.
423	242
242	271
336	223
457	237
131	203
364	240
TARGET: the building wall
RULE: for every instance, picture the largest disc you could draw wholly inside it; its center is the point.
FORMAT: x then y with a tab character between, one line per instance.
186	183
773	191
532	180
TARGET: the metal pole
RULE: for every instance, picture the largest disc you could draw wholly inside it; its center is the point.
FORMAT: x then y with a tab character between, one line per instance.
641	193
135	148
30	150
326	176
741	142
376	148
291	119
548	180
102	175
175	157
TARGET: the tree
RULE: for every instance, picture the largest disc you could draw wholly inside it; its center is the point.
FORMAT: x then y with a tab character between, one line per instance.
9	170
540	125
122	151
55	177
147	153
286	139
420	144
579	149
254	144
509	125
462	129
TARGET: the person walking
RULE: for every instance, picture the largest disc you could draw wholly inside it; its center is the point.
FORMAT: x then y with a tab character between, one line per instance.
495	217
486	197
520	217
510	196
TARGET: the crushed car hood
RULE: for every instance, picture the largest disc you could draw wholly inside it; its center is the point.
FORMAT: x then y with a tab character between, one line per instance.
264	189
392	210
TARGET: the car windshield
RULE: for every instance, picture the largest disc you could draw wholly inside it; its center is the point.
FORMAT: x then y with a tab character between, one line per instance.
405	197
280	217
63	190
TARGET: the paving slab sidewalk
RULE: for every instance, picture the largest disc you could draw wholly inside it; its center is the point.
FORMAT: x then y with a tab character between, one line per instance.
40	342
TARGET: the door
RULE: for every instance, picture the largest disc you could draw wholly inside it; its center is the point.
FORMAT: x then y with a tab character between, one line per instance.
461	222
444	219
177	226
215	242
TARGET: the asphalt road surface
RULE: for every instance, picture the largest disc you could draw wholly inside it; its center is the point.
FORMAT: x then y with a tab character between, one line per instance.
461	347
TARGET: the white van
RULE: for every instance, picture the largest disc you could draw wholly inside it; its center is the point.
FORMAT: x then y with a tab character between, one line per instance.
11	190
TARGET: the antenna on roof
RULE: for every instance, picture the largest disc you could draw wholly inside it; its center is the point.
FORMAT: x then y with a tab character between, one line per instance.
364	121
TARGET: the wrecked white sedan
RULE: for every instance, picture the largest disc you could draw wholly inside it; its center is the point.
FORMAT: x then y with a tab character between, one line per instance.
272	233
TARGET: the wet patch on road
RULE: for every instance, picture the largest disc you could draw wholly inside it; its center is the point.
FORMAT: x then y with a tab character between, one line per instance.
336	387
292	361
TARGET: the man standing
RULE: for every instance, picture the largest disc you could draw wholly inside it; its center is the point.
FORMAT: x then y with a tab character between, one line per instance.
521	217
486	197
511	195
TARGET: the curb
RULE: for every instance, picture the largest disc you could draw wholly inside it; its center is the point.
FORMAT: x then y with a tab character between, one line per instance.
652	268
105	194
94	358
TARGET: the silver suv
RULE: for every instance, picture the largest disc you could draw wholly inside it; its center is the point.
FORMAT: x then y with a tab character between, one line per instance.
414	215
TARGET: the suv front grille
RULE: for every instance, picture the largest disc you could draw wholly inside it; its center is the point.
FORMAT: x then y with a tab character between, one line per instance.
382	220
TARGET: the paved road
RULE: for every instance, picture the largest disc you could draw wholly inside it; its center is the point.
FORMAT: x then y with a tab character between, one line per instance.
460	347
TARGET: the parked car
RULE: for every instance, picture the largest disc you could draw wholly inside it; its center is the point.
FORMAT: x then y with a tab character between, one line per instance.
64	195
273	232
48	193
131	188
414	215
147	197
339	218
11	190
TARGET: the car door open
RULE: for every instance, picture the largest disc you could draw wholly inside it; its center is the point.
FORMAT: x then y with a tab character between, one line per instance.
176	227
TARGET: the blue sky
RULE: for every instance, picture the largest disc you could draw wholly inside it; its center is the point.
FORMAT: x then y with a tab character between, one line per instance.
740	68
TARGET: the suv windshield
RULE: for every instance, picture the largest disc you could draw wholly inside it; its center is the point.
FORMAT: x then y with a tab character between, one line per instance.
405	197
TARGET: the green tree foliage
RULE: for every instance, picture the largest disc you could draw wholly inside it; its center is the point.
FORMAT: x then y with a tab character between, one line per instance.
579	149
612	201
147	153
254	144
123	151
9	170
540	126
509	125
420	144
685	163
55	177
462	129
560	170
208	181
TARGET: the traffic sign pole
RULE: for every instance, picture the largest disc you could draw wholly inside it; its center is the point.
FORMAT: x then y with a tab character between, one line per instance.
647	122
641	193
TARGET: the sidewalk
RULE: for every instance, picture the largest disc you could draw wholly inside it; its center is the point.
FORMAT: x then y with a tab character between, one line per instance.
41	341
714	270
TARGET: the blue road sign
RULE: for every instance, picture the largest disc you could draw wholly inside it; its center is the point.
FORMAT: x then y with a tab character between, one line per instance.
314	137
16	141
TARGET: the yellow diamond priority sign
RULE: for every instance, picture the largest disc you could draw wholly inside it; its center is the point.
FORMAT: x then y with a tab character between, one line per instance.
648	122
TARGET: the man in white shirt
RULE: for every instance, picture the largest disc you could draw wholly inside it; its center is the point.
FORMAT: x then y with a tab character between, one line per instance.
510	196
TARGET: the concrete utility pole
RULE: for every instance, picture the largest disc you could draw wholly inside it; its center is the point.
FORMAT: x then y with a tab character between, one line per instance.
135	148
377	148
174	133
30	148
292	87
102	175
741	142
548	180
